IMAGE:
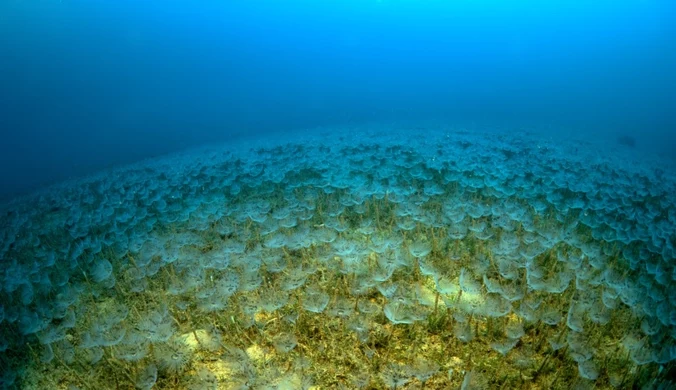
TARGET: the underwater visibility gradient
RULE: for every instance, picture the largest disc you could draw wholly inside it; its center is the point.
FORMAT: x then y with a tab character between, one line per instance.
337	195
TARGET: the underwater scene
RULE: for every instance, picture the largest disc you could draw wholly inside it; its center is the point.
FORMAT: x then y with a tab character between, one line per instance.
337	195
353	259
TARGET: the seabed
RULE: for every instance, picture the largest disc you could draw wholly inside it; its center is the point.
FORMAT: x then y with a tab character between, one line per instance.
355	258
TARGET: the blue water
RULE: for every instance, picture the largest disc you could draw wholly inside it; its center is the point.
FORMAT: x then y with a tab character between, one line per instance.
90	84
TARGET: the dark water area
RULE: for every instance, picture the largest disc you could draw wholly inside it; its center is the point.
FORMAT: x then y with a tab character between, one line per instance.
89	84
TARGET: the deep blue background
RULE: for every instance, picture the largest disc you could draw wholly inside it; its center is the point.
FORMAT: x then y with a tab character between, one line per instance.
85	84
